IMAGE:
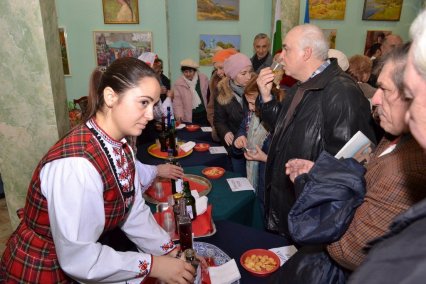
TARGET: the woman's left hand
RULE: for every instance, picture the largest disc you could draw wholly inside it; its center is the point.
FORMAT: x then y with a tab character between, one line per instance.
257	155
169	171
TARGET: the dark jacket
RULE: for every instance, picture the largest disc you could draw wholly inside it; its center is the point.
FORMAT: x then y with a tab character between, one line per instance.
332	110
399	256
327	198
228	112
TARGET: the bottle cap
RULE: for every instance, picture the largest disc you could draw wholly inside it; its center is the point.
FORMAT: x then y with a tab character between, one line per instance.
177	196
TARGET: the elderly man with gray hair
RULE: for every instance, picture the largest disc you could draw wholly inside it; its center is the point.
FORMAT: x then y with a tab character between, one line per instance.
321	112
400	255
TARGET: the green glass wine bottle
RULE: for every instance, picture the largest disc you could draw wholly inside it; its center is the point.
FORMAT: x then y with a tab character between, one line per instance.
189	201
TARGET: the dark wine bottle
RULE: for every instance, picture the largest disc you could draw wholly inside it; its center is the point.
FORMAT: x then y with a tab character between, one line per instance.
172	138
163	135
189	201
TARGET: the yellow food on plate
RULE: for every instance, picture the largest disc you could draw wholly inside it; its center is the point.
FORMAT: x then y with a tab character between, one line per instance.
213	172
260	263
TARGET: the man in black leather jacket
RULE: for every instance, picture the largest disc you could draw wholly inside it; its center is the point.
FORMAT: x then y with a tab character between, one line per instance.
332	109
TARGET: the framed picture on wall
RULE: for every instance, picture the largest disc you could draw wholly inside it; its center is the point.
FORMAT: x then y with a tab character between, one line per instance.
111	45
330	35
120	11
373	42
210	44
64	51
219	10
383	10
325	10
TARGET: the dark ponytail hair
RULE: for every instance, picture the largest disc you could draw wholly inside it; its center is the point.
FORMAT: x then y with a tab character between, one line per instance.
123	74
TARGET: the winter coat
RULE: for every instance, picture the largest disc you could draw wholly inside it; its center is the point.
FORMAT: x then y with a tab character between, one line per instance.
327	198
399	256
332	110
182	101
228	112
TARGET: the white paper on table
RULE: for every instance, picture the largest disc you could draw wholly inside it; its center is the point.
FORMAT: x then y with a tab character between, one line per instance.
225	273
187	146
239	184
284	253
181	126
206	129
217	150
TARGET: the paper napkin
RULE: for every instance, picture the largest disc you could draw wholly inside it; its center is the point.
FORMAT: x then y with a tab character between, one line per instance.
187	146
225	273
239	184
201	205
284	253
181	126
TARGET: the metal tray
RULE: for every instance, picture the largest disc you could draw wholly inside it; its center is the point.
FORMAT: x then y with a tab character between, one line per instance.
164	206
195	178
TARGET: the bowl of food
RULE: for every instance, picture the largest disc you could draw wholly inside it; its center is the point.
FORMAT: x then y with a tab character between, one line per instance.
260	262
213	172
201	147
192	127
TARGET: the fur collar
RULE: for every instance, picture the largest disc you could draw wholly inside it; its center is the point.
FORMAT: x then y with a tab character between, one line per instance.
225	93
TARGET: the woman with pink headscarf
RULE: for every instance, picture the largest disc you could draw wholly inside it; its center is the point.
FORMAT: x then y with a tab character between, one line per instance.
228	109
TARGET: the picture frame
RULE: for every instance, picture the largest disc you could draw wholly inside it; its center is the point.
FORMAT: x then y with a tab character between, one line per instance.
325	10
374	37
64	51
120	11
111	45
330	35
383	10
218	10
209	44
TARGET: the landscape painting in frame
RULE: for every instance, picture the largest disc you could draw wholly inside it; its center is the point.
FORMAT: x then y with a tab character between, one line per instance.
120	11
210	44
330	35
218	10
64	51
327	9
374	38
382	10
111	45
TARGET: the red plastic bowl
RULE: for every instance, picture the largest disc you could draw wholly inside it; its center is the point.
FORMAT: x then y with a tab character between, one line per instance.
260	252
192	127
201	147
213	172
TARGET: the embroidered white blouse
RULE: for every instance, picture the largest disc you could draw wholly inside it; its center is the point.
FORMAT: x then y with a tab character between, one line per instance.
74	192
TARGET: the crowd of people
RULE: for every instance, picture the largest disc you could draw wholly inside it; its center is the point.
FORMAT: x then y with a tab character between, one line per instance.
355	220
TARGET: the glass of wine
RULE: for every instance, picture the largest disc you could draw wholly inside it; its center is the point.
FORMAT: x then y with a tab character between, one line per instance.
278	70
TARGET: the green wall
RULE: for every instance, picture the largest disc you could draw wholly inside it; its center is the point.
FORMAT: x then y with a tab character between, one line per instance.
81	17
178	38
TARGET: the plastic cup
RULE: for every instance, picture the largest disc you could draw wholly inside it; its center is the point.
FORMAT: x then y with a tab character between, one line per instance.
278	70
168	224
159	193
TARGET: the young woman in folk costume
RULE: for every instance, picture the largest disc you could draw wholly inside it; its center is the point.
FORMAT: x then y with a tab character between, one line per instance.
86	185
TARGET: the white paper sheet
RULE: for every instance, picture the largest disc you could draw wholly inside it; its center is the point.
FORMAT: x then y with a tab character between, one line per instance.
284	253
239	184
218	150
206	129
